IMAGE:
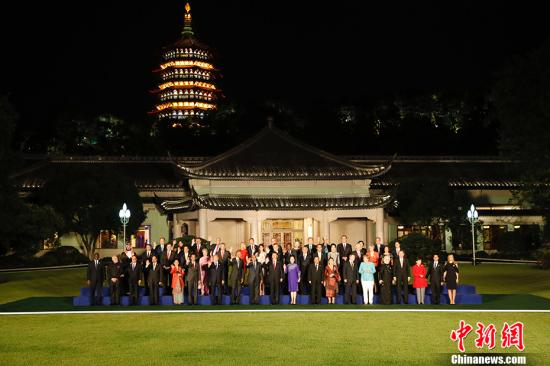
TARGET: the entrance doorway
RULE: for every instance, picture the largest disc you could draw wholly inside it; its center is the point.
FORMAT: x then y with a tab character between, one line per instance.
286	231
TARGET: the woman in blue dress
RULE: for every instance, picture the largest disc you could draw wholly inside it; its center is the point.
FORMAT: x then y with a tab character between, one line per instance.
293	271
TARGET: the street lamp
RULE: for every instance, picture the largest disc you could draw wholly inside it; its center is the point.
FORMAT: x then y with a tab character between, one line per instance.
124	216
473	217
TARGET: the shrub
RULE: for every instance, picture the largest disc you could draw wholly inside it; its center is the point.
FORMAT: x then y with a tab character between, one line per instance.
416	244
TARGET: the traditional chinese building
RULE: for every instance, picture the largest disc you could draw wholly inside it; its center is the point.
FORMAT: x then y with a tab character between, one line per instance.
187	80
275	186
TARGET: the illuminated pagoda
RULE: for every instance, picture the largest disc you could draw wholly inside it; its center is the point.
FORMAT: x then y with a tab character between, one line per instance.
187	90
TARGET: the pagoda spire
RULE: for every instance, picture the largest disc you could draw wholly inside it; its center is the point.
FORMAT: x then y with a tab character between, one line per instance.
187	28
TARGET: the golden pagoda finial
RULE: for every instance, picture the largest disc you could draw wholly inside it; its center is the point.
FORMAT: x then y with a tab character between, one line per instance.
187	29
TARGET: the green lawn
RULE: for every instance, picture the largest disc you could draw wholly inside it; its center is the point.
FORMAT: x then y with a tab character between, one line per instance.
260	338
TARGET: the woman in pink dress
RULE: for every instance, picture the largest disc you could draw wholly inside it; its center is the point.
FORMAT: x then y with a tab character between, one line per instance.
203	264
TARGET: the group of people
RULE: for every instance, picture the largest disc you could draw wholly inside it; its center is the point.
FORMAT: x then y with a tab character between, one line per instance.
211	269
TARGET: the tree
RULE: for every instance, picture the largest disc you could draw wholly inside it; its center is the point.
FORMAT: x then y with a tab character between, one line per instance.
426	200
90	199
522	102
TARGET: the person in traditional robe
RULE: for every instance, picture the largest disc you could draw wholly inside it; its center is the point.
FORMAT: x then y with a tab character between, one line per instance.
177	273
293	278
203	264
332	277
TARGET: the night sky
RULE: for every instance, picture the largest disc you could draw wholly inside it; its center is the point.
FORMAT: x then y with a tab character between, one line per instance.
93	57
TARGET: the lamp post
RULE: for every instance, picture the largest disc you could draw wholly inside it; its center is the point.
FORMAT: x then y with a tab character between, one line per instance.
124	216
473	217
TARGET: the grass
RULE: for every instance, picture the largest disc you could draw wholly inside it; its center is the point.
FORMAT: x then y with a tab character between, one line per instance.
259	339
263	339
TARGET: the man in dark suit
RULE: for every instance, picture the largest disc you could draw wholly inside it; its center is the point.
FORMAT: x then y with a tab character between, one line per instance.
153	279
160	248
146	256
215	279
94	278
344	248
379	247
360	251
114	274
275	277
319	253
193	273
166	261
435	272
401	276
351	279
254	270
197	246
252	247
304	260
134	277
395	251
310	246
236	278
225	257
315	278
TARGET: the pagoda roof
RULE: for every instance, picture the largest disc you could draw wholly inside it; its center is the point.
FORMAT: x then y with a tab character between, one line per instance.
250	202
274	155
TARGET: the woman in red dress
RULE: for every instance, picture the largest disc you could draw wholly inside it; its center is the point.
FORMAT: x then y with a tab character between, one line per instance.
332	277
243	254
177	282
419	280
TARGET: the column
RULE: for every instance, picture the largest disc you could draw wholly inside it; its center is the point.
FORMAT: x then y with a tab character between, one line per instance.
380	224
254	229
176	228
203	223
370	232
325	227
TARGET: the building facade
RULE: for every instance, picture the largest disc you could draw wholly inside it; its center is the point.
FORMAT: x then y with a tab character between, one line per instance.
275	186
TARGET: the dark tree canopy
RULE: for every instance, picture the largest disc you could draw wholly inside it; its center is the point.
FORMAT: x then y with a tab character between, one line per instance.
90	201
522	102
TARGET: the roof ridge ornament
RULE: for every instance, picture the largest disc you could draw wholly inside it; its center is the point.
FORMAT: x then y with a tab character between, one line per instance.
187	26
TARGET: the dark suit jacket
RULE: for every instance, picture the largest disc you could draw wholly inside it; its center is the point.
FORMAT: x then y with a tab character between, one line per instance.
192	270
350	272
133	275
254	275
382	248
198	251
114	271
145	257
435	274
167	261
313	275
225	257
160	250
275	274
237	272
344	252
359	257
304	262
215	275
154	275
95	274
322	260
401	272
252	251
